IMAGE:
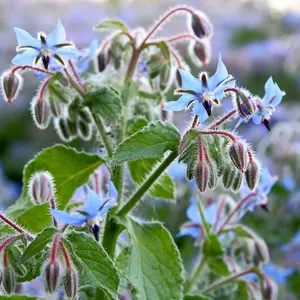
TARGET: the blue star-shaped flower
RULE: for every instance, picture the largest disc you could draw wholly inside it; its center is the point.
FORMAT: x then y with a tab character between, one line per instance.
86	56
194	227
266	105
95	208
278	274
260	195
54	45
203	93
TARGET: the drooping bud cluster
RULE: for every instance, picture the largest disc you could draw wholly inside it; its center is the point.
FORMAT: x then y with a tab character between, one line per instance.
238	152
200	52
103	59
252	173
41	187
11	85
8	276
41	113
200	25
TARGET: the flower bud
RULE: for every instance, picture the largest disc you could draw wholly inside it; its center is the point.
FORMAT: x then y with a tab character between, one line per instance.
72	125
237	181
85	115
270	290
41	187
56	107
41	112
252	174
11	85
200	25
70	283
1	276
165	74
238	153
200	52
84	130
52	276
190	171
245	103
213	176
228	177
9	280
63	129
202	175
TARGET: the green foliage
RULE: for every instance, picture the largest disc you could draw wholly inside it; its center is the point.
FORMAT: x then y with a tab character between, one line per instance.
196	297
212	246
152	262
243	36
112	25
17	297
218	266
98	269
150	142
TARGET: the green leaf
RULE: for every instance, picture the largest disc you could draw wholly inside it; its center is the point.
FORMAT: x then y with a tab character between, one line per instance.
150	142
164	48
164	188
17	297
187	138
98	268
212	246
242	291
136	123
196	297
105	101
152	263
39	244
111	24
218	266
69	168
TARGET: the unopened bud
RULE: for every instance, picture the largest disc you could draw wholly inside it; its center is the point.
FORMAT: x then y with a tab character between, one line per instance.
41	187
190	171
52	276
237	181
252	174
238	153
84	130
200	25
165	74
270	290
85	115
228	177
245	104
9	280
70	283
63	129
213	176
202	175
41	112
11	85
72	125
1	276
56	106
103	59
200	52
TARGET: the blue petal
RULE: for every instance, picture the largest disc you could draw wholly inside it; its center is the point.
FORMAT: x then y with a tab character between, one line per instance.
256	118
193	231
64	218
83	64
181	103
241	120
219	91
26	40
269	90
93	48
210	213
278	96
67	53
93	203
220	75
266	181
58	36
189	82
193	212
108	205
200	111
26	58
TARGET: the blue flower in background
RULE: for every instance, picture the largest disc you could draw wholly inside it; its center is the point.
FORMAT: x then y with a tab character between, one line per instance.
293	247
54	45
83	60
260	195
278	274
95	208
203	93
194	227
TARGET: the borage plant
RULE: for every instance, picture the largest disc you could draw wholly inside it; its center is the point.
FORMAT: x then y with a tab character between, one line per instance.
90	244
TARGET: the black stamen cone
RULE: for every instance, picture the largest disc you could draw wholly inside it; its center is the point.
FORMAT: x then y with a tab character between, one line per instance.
46	61
267	123
95	229
207	105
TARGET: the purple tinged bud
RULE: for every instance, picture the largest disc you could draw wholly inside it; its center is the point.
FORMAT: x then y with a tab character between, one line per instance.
103	60
9	280
270	290
201	50
238	153
237	181
41	112
202	175
252	174
267	123
200	25
56	107
41	187
11	85
95	229
245	104
71	283
213	176
52	276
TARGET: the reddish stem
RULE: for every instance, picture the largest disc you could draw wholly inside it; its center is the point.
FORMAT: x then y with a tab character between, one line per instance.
182	37
8	241
32	68
220	132
200	148
54	248
65	254
15	226
5	259
236	209
76	74
223	119
195	122
53	206
176	57
43	89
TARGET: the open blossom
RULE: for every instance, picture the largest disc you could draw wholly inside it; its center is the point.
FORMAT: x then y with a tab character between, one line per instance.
265	106
49	48
94	210
202	93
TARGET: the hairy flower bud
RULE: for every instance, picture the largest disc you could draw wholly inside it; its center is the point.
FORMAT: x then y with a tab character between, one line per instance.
200	25
70	283
52	276
85	115
252	174
72	126
245	103
200	52
9	280
213	176
11	85
190	171
228	177
41	112
56	107
165	75
237	181
63	130
202	175
238	153
41	187
84	130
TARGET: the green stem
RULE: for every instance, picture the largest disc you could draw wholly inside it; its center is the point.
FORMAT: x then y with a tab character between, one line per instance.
147	184
195	276
218	284
103	134
202	217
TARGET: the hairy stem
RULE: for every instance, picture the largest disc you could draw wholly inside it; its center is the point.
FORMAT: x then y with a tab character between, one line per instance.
8	241
31	68
223	119
65	254
182	37
219	132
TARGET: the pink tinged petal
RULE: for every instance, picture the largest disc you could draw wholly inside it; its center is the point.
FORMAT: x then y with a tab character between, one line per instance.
26	40
189	82
200	111
26	58
220	75
64	218
93	203
58	36
181	103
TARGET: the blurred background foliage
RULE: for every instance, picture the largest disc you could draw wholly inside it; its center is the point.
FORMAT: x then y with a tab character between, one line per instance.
256	38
